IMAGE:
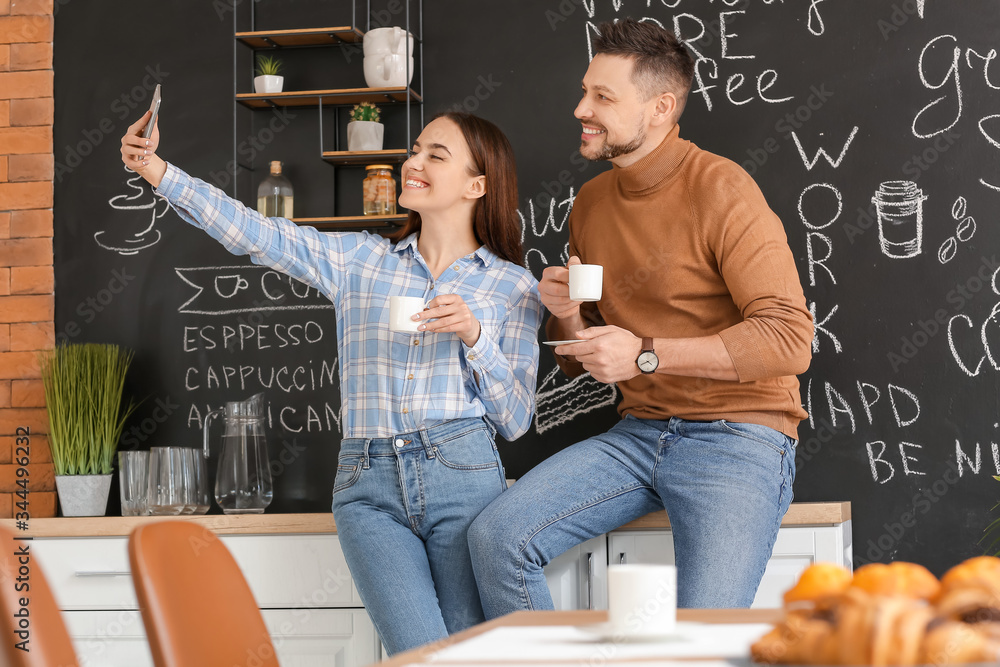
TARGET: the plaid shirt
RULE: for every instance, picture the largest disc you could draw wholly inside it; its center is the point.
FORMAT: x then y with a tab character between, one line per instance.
393	383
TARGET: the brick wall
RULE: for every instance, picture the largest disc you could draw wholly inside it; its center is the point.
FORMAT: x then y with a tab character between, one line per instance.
27	301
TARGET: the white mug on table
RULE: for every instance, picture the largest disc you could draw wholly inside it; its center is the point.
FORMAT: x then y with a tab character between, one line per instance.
642	600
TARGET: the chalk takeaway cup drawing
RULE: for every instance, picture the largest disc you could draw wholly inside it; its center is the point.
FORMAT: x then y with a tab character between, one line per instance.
900	208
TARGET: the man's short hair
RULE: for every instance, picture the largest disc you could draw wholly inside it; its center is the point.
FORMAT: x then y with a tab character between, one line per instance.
660	63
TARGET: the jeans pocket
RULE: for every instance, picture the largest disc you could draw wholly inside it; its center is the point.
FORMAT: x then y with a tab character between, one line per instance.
471	451
348	473
754	432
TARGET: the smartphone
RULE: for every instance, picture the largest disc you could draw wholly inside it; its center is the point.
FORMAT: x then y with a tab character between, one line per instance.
155	108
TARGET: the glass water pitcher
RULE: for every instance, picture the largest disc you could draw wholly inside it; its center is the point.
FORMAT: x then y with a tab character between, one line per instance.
243	477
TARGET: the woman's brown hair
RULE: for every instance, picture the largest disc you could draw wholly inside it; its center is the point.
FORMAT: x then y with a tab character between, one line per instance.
494	219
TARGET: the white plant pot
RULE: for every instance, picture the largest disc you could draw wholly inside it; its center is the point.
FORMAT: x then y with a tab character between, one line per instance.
83	495
268	83
364	135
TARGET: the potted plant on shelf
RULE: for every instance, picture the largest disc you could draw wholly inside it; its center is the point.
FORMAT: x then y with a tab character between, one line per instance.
364	131
83	393
268	79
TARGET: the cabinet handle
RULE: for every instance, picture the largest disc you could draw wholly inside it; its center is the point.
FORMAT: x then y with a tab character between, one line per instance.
102	573
590	580
621	558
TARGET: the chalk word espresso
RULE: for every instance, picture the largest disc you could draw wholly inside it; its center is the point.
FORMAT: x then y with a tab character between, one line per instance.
225	290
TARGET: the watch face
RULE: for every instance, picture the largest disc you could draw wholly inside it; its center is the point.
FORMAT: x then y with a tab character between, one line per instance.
647	362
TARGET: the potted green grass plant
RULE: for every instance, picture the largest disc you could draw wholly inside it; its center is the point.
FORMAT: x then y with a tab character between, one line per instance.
364	131
268	79
83	386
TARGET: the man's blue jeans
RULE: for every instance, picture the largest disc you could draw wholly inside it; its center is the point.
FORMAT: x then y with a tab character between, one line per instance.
403	506
725	486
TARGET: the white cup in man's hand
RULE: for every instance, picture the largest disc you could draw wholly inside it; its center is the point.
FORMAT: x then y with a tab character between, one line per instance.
401	312
585	282
642	600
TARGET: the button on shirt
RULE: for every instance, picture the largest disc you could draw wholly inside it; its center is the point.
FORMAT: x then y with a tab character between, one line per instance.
393	382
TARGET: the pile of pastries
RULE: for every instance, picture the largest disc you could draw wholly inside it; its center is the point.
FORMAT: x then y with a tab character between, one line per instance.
895	614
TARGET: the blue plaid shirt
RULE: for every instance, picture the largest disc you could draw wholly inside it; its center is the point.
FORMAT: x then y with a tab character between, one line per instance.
392	383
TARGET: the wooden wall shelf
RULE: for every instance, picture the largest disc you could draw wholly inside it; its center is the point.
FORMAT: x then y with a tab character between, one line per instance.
391	156
353	222
311	98
263	39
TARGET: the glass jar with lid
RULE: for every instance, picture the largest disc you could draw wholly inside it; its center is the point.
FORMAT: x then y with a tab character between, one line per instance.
379	190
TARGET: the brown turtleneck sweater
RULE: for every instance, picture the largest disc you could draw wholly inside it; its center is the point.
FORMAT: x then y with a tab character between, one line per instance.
690	248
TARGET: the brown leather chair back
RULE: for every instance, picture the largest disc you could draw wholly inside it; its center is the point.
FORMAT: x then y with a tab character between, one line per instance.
196	606
38	624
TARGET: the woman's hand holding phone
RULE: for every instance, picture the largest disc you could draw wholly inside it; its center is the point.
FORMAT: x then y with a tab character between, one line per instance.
139	154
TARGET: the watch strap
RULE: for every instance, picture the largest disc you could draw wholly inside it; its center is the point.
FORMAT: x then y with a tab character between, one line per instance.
647	344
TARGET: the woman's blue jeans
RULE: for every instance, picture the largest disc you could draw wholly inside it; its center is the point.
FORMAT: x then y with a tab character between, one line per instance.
403	506
725	486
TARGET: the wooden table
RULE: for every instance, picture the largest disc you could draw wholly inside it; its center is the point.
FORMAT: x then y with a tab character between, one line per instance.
536	618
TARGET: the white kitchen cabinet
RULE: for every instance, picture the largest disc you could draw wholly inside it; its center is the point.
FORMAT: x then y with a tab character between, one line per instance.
301	583
795	549
578	579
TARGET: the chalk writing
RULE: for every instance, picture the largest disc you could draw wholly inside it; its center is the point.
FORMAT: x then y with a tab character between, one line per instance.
268	289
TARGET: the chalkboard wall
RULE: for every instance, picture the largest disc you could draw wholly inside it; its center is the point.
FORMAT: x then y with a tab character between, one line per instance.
873	129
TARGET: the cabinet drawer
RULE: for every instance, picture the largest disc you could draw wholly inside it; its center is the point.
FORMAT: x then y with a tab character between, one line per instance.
87	572
292	571
283	571
301	637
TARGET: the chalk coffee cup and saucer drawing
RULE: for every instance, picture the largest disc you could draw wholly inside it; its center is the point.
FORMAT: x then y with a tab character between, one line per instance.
642	605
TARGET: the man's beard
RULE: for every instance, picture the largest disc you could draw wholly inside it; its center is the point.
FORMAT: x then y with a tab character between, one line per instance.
610	151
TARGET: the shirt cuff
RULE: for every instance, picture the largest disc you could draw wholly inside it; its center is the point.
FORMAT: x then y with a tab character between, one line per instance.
169	182
483	354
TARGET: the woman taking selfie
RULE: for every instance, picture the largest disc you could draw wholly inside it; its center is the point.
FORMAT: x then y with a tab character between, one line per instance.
418	461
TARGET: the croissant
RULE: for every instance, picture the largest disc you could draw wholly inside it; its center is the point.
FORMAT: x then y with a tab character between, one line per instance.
895	614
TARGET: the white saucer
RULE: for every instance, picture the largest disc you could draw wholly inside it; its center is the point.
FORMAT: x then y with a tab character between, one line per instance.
554	343
605	632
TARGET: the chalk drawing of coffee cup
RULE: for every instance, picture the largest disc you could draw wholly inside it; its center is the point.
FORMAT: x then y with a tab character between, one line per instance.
900	207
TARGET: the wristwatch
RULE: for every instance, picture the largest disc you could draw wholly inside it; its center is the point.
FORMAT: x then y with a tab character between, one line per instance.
647	360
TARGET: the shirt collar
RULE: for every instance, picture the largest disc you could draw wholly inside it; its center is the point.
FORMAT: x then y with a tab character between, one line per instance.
657	167
484	254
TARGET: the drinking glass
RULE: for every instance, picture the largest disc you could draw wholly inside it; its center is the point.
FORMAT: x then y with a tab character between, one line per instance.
166	481
197	498
133	478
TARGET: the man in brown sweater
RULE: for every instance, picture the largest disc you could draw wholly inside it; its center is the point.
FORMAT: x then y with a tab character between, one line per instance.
703	326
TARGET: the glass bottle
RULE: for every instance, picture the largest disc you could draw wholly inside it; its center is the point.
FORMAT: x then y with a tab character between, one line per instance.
379	190
274	196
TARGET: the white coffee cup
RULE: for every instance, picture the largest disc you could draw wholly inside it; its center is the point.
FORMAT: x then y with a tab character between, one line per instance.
585	282
387	71
401	310
642	600
380	41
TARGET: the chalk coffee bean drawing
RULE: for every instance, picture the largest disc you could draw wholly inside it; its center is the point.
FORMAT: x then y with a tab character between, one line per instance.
964	230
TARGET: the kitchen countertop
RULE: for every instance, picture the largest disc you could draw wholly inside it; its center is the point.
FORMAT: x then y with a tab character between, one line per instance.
799	514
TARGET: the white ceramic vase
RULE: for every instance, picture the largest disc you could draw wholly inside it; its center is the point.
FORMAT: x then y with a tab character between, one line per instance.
364	135
83	495
268	83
